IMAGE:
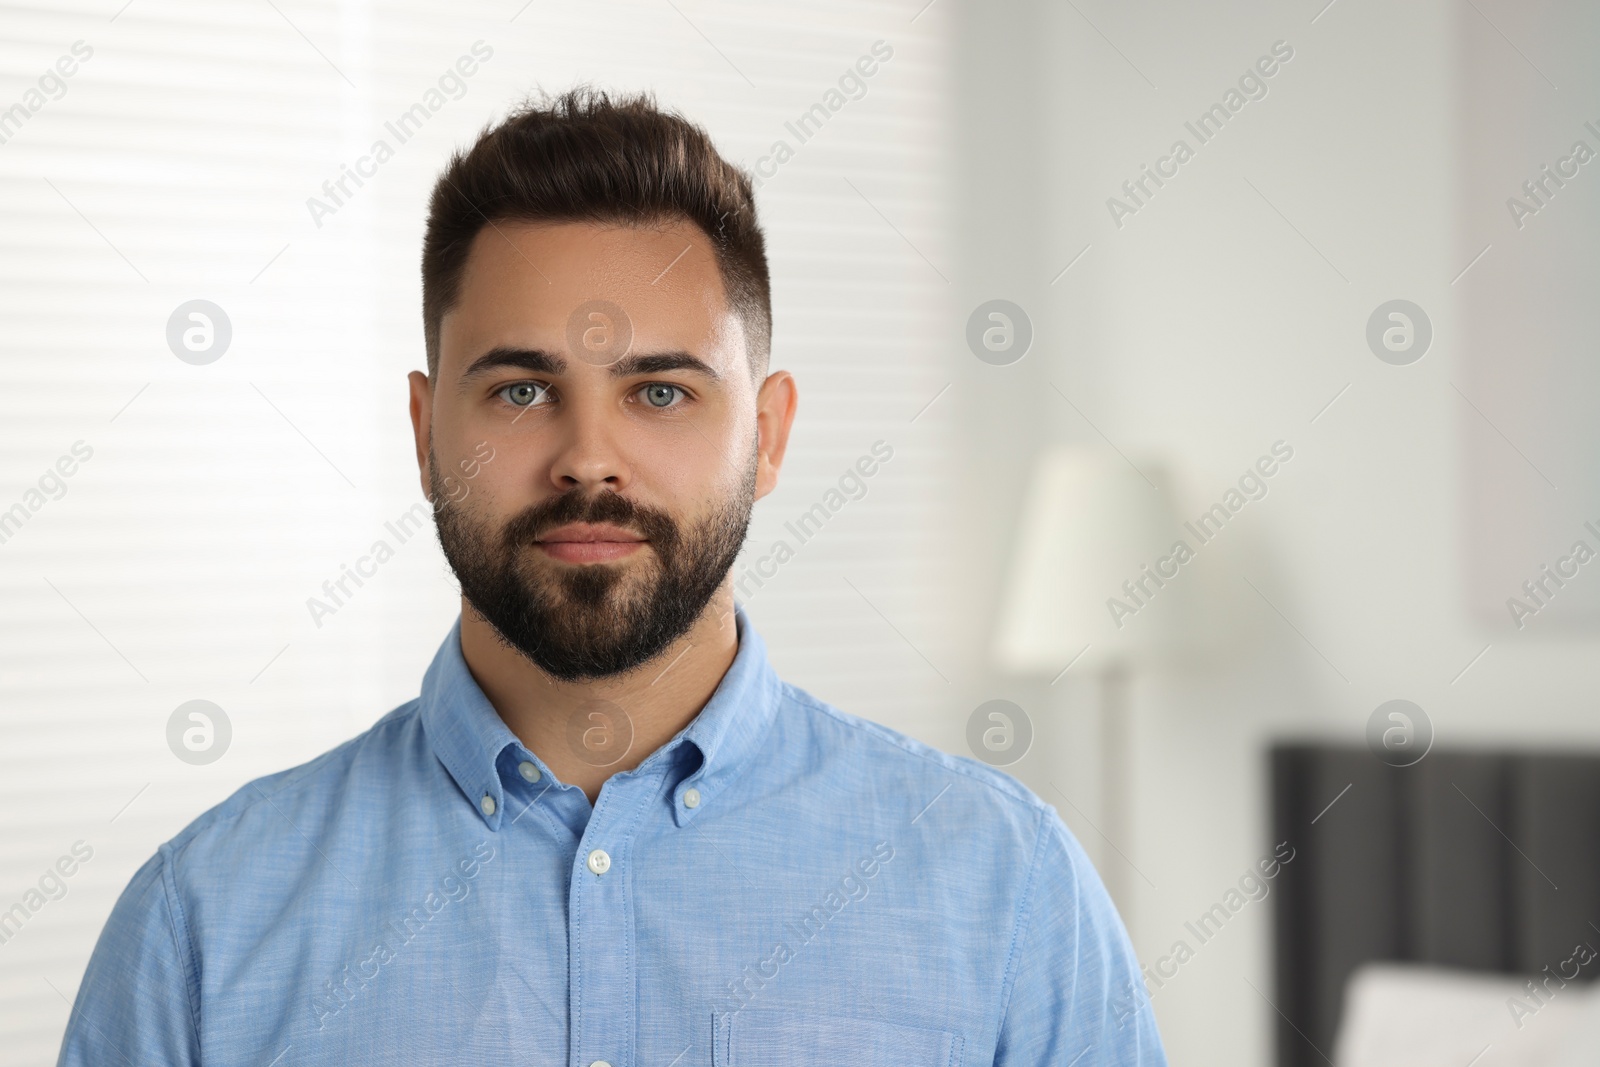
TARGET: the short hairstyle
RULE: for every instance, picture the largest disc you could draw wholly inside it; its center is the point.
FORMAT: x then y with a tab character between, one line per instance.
584	156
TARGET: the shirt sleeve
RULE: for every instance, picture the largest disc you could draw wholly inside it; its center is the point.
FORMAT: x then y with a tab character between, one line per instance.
135	1004
1077	997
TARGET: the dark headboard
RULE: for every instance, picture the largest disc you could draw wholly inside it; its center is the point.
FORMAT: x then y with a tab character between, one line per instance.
1481	860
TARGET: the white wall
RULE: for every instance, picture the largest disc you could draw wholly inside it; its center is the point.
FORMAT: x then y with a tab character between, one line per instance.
1206	328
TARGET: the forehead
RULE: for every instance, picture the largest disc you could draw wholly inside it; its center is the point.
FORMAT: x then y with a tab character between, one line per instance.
524	282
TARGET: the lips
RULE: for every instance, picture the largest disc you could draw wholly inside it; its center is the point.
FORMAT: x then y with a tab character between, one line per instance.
582	542
584	533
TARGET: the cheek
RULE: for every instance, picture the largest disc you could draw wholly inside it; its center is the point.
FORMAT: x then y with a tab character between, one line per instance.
700	465
491	494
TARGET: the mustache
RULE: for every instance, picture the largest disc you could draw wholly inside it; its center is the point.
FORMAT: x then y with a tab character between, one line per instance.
605	506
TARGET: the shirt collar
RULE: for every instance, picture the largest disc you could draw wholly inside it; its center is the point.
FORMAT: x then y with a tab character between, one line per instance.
469	737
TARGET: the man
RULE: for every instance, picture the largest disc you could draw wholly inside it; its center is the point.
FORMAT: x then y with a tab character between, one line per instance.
606	834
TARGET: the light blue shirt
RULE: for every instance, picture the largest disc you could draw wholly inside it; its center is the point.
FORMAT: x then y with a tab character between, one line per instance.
781	884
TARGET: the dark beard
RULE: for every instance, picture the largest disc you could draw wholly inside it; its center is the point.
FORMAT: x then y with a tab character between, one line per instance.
578	622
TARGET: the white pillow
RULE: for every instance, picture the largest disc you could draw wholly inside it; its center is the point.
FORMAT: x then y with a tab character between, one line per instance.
1404	1015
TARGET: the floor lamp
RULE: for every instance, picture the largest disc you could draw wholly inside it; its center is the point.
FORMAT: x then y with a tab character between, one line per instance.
1084	595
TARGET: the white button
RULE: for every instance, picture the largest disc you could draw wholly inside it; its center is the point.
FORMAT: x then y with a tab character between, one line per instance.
691	798
599	862
487	804
529	771
599	1063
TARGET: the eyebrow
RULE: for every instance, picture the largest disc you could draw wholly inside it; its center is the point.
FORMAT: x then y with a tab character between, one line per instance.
538	361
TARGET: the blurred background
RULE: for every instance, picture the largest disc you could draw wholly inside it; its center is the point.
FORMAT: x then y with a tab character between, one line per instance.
1340	345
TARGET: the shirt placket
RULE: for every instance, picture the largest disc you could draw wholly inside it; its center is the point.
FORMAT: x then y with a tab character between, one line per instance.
600	933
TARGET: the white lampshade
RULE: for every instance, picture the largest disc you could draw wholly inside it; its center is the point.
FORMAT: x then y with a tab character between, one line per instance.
1091	522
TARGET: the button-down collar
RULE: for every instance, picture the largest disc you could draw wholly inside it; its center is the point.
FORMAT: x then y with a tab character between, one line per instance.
469	737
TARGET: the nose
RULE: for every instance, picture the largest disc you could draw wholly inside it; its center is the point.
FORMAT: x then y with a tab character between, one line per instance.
588	457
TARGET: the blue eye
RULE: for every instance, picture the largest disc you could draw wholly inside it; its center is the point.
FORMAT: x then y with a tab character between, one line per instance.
522	394
660	395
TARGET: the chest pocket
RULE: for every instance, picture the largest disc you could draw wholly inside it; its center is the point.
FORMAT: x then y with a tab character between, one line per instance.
759	1038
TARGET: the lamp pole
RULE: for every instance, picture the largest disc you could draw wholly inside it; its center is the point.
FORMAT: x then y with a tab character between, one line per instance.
1116	768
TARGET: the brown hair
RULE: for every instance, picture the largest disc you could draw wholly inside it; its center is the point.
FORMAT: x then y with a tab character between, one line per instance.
583	156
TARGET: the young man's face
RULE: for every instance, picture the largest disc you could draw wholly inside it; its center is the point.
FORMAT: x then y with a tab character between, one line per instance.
590	438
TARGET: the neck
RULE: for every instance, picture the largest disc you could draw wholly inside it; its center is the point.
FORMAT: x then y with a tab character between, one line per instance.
566	725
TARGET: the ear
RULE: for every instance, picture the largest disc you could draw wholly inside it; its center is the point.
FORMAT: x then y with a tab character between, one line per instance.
775	407
422	424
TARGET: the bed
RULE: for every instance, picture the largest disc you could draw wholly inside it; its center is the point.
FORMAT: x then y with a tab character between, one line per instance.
1424	900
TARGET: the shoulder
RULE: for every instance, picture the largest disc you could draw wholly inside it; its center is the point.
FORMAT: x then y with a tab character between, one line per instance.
980	841
891	749
291	806
893	762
